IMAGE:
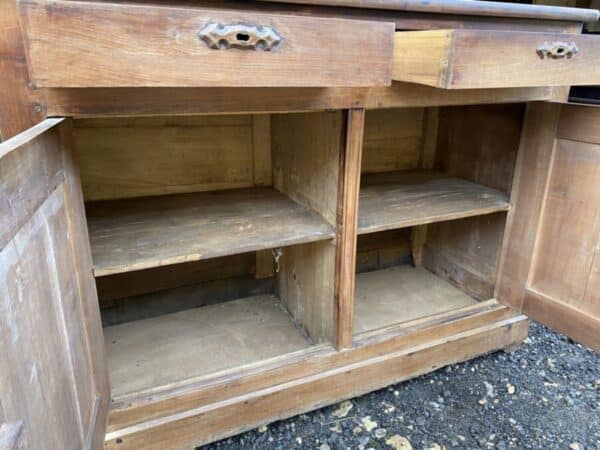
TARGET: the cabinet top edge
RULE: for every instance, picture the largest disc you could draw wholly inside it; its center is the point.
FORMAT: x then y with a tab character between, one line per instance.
464	7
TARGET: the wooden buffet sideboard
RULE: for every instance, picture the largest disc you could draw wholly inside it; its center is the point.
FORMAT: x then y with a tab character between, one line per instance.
236	212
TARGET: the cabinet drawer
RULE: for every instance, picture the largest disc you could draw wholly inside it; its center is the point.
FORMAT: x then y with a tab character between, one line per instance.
468	59
102	44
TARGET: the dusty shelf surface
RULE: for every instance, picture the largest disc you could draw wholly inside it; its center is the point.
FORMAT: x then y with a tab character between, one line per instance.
155	352
405	199
402	293
141	233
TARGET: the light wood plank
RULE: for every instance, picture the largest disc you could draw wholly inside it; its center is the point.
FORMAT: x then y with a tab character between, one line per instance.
392	139
136	157
198	341
570	224
261	150
209	423
467	7
399	200
118	44
531	177
400	294
469	59
349	189
138	234
306	159
204	391
563	317
157	101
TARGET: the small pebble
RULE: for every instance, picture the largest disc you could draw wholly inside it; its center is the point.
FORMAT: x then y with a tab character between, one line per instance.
368	423
343	409
398	442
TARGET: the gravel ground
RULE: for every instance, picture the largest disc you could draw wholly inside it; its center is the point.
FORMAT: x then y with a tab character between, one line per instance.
545	395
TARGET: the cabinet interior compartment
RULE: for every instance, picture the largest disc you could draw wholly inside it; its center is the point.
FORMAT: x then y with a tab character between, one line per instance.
432	209
212	239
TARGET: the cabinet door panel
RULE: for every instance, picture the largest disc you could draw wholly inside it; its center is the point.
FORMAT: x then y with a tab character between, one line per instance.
551	259
53	376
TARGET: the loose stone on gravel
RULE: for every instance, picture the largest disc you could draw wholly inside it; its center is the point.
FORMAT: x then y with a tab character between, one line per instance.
555	406
343	409
399	443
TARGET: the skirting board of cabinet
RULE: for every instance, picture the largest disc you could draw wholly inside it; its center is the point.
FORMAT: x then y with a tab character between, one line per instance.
341	375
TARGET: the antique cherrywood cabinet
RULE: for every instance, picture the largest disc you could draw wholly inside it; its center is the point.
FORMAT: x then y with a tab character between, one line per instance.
236	212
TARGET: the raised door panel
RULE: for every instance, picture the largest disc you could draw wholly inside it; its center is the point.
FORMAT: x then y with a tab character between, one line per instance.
551	260
53	374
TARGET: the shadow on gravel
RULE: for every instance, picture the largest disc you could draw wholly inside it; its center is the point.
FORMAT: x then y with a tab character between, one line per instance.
544	395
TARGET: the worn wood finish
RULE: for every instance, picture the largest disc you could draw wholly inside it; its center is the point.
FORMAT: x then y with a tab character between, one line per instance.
117	45
384	249
136	157
306	151
466	252
467	7
398	199
579	123
230	334
205	424
566	295
571	211
392	139
129	284
306	286
401	294
53	375
160	101
221	387
527	196
561	316
347	219
472	59
477	143
306	155
180	298
20	107
10	436
135	234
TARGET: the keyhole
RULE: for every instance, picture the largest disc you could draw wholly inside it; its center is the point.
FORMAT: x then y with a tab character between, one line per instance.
242	37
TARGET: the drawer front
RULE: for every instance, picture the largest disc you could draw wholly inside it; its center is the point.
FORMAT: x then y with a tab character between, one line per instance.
469	59
97	44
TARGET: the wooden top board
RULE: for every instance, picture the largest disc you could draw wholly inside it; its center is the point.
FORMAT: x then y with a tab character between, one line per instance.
464	7
146	232
405	199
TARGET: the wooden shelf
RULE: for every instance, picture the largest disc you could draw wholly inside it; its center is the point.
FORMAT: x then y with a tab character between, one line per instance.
405	199
400	294
141	233
149	353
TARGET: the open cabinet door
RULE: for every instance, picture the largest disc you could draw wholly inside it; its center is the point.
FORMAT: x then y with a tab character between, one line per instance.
550	266
53	373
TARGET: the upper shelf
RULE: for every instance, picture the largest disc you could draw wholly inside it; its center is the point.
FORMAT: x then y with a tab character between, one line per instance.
141	233
404	199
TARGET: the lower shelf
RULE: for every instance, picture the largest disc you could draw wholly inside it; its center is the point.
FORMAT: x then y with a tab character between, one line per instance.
155	352
402	293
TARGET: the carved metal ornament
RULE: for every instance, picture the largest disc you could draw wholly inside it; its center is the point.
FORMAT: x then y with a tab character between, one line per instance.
247	37
557	50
